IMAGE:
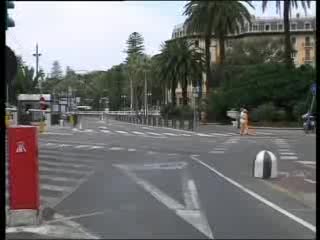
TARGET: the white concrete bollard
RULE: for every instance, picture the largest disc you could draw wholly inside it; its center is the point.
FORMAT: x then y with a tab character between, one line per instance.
265	165
61	122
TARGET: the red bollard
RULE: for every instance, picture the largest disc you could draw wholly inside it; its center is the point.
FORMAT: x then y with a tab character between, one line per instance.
23	175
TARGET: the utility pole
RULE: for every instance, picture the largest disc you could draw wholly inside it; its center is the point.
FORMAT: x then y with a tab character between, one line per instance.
37	55
145	94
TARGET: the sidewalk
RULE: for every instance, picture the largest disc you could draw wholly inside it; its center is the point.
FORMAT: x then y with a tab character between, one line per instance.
254	127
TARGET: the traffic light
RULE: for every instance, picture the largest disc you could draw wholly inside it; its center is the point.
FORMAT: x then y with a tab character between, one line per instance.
9	21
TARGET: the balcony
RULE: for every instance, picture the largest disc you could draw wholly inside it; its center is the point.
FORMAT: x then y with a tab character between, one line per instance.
307	45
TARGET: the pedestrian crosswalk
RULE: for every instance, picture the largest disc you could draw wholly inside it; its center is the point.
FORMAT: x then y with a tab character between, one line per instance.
60	173
145	132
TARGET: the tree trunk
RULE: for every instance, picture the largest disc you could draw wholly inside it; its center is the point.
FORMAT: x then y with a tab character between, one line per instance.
222	50
286	23
208	68
173	93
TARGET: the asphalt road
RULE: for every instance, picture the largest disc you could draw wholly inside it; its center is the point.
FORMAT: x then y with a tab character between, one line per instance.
117	180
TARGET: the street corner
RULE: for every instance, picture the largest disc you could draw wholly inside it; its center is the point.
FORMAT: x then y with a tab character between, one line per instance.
53	227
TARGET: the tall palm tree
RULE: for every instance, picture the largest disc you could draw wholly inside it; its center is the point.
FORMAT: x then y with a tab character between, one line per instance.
287	7
166	69
218	17
179	62
188	66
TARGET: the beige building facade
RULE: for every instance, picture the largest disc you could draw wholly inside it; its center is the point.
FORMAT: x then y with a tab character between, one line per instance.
303	38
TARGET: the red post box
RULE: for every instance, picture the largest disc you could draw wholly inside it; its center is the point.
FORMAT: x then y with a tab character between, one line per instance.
23	168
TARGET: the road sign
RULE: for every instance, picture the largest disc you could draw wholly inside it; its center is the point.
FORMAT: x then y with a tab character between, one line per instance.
11	66
313	89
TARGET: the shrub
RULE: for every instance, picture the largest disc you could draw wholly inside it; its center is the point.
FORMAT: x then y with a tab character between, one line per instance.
264	112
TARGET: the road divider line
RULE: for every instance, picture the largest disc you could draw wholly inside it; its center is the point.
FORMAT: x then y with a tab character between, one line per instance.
116	148
63	170
257	196
288	157
287	153
310	181
72	165
139	133
55	188
307	162
170	134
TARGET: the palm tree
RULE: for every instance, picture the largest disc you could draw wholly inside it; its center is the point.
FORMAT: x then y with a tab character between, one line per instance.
166	69
219	17
287	6
188	65
179	62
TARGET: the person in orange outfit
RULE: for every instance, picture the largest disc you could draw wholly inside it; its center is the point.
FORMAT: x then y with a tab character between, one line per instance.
244	121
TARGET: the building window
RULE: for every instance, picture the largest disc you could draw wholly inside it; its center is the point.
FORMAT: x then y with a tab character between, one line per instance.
307	40
196	43
307	55
307	26
229	43
280	27
255	27
293	26
267	27
293	41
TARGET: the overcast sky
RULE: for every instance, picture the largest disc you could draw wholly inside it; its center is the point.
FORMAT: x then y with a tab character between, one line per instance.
92	35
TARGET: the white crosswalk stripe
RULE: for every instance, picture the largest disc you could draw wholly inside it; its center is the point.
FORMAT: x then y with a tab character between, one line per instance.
154	133
138	133
170	134
60	173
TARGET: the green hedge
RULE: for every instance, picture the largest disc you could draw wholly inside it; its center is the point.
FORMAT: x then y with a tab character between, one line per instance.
176	112
269	91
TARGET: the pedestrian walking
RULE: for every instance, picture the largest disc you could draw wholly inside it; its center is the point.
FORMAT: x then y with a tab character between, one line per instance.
243	121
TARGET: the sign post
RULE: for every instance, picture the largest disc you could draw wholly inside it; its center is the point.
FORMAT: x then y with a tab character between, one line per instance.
313	90
42	107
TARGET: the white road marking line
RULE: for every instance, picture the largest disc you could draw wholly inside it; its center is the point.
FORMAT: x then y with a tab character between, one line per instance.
63	170
203	135
170	134
310	181
258	197
65	145
195	217
307	162
106	131
122	132
287	153
56	133
103	127
58	179
82	146
185	135
221	134
139	133
96	147
72	165
66	158
50	144
288	157
88	130
55	188
153	133
132	150
220	148
217	152
284	150
116	148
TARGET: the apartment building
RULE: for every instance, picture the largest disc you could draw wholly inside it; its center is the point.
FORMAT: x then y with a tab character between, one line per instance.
303	37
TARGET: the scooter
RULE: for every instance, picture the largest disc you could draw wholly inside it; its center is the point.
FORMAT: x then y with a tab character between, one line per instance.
309	123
